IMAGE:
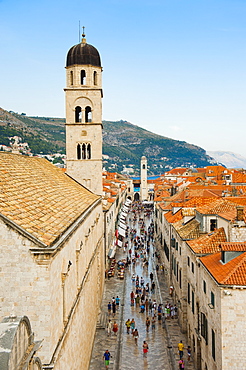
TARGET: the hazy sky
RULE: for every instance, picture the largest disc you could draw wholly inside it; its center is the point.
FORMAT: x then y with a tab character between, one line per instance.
174	67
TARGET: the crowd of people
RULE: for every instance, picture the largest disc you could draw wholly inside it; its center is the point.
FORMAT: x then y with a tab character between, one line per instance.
142	256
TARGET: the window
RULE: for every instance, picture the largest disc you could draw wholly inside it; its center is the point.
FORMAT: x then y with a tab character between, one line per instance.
177	246
204	327
212	299
188	261
193	302
88	114
71	77
83	77
213	344
213	225
95	77
78	114
143	166
166	250
180	279
192	267
84	151
78	152
204	286
188	292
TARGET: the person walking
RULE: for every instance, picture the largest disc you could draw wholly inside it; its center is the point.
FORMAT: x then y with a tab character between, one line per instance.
106	358
181	364
115	328
117	301
135	336
181	349
188	353
113	308
109	327
109	308
147	323
153	321
145	348
128	325
133	324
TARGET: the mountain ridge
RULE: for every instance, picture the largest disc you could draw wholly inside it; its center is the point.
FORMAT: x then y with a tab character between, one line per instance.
123	143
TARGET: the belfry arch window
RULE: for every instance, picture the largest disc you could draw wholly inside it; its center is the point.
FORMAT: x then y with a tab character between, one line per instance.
143	166
78	151
89	151
78	114
84	151
88	114
95	77
82	77
71	77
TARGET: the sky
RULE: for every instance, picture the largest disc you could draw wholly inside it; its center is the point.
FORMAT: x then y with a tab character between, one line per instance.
174	67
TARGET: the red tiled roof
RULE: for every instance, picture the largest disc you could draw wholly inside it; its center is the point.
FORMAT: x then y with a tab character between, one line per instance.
209	243
230	273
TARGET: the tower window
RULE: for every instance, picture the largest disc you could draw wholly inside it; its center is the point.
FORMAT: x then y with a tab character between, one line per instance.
95	77
143	166
71	77
78	151
83	151
78	114
83	77
89	151
88	114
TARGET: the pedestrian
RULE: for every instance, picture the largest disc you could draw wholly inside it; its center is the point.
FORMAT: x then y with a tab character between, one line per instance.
113	308
106	358
153	287
128	325
135	336
133	325
151	276
147	322
137	300
181	364
181	349
117	300
159	314
109	308
188	353
171	290
115	328
142	307
145	348
157	267
109	327
153	320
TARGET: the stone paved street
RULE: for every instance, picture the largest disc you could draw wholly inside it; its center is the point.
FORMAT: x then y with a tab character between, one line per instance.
126	355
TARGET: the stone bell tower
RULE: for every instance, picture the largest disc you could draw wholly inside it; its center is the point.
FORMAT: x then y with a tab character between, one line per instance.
84	115
144	184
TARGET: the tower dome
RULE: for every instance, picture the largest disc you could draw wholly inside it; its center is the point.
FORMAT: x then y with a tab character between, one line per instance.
83	54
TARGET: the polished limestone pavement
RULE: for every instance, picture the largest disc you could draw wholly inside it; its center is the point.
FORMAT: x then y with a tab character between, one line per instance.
162	342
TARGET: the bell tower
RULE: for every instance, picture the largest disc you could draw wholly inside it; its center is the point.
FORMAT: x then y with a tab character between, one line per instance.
144	183
84	115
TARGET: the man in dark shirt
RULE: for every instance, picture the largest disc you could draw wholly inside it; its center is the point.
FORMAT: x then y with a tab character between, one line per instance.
106	358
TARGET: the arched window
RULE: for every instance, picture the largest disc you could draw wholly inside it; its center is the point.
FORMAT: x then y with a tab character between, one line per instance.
78	151
78	114
83	77
88	114
88	151
143	166
83	151
95	77
71	77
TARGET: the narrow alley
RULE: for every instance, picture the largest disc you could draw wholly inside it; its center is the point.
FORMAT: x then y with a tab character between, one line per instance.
162	336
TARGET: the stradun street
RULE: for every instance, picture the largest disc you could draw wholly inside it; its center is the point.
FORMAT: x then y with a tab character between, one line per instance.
161	335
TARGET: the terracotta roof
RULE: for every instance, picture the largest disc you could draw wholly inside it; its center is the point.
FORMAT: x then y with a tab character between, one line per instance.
230	273
233	246
171	218
218	206
191	230
39	197
208	243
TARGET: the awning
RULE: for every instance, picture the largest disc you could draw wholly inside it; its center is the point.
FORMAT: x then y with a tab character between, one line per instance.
111	252
123	214
119	242
123	226
124	209
122	232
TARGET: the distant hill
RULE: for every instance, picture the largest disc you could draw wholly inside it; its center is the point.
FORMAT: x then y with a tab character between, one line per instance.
123	143
229	159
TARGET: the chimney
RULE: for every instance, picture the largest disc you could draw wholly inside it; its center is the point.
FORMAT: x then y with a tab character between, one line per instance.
240	214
